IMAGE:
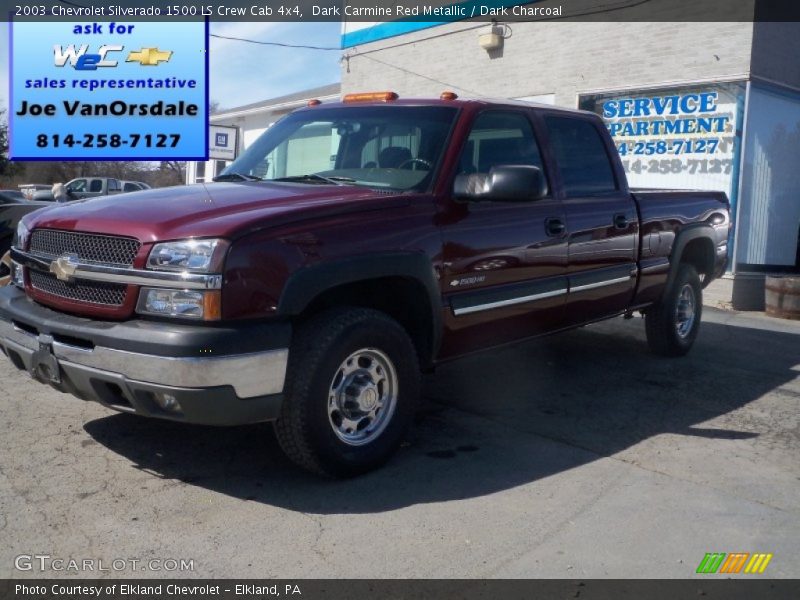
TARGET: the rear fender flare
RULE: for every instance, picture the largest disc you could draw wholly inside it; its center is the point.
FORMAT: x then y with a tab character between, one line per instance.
687	234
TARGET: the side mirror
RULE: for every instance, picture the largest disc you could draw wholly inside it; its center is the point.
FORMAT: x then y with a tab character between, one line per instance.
512	183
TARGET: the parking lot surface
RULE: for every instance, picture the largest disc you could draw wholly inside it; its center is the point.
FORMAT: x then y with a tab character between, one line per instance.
579	455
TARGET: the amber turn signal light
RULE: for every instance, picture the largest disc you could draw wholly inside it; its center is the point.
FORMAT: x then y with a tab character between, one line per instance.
448	96
212	305
371	97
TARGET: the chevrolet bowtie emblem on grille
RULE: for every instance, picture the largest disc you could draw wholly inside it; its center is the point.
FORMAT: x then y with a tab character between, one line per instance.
64	267
149	57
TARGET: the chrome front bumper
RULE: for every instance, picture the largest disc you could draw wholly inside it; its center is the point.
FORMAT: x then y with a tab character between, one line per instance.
215	390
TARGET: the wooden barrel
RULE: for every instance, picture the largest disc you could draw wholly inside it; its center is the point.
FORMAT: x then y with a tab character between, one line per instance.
782	296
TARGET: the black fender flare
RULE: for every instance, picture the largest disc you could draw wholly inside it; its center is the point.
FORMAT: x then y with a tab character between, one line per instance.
308	283
688	234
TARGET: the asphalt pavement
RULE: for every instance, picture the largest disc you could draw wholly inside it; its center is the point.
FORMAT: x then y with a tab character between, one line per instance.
579	455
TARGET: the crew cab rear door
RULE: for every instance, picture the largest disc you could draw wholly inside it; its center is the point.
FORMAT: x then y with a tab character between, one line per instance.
601	216
504	274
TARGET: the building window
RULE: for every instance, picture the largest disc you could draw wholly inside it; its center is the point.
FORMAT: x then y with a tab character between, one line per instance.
199	172
769	215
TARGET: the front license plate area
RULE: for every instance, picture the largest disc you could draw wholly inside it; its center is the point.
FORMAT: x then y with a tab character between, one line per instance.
44	365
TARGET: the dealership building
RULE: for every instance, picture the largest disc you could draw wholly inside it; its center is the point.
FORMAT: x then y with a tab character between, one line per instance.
690	105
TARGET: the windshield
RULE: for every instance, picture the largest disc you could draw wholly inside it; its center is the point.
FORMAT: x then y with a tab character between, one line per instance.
387	147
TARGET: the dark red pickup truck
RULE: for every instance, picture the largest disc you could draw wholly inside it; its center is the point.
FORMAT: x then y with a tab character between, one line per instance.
351	247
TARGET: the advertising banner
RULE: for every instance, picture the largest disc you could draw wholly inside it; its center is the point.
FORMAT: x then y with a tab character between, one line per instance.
108	91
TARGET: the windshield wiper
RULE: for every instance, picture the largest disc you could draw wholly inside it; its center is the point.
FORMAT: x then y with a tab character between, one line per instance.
311	177
236	177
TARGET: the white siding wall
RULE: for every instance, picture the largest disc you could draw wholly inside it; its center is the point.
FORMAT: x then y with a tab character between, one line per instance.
558	58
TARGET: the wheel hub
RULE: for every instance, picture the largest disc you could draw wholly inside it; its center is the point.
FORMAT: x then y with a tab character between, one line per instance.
362	396
361	393
685	311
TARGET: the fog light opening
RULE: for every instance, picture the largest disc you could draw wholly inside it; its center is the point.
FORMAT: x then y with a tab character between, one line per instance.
167	402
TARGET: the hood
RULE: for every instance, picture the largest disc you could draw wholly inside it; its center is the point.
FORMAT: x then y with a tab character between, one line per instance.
208	210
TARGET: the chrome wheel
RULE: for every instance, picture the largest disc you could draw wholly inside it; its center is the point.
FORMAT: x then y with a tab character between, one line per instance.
362	396
685	311
5	269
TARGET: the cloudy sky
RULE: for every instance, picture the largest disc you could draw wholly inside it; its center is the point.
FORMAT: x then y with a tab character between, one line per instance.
241	73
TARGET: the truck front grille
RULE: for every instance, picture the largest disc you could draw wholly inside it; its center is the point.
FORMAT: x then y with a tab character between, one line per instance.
113	251
94	292
88	247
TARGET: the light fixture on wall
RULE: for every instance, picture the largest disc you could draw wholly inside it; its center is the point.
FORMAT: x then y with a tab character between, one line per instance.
492	39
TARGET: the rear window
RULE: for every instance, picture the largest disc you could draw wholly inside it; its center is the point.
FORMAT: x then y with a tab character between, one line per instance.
581	156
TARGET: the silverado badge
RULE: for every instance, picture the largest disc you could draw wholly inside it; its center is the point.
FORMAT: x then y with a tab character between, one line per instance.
64	267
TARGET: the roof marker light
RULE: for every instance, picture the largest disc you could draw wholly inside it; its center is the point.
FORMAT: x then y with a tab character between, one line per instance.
371	97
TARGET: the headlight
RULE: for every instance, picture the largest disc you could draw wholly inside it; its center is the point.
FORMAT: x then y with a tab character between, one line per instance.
199	256
17	275
21	236
187	304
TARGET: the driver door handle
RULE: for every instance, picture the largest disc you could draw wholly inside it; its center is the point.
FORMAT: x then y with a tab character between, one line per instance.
554	226
620	221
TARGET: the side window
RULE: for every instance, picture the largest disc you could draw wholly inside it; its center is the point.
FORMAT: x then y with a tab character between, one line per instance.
79	185
500	138
581	156
96	185
113	185
130	187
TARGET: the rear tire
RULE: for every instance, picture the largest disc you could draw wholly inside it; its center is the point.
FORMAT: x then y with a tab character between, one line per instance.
352	390
673	323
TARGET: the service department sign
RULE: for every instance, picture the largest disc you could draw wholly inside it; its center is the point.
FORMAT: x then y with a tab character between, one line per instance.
680	138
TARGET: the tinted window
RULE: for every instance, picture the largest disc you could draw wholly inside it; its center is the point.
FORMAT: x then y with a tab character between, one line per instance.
499	138
130	187
96	186
581	156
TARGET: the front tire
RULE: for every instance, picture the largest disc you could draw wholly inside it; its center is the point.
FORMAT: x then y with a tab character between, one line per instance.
352	390
5	269
673	323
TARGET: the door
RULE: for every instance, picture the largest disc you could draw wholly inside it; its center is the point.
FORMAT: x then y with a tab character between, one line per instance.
504	262
601	218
